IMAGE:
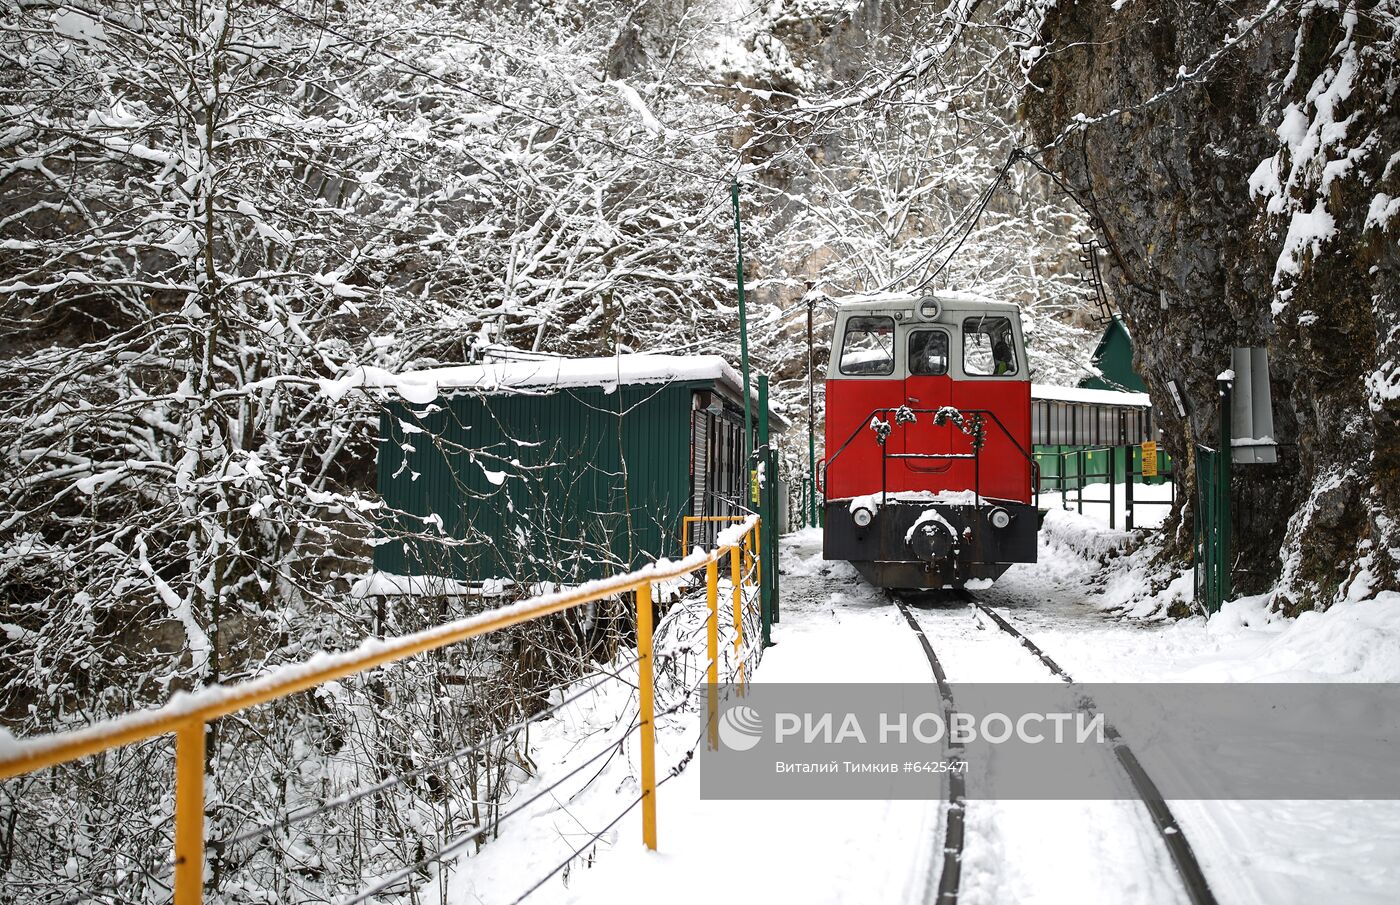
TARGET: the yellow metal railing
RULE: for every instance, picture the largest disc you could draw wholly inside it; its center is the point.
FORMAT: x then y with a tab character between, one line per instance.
752	565
186	716
688	520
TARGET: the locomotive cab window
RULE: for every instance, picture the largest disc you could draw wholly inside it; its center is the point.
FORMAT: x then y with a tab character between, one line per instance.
867	348
989	347
928	353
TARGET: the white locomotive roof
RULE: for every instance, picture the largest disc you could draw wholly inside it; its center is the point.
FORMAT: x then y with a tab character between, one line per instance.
882	301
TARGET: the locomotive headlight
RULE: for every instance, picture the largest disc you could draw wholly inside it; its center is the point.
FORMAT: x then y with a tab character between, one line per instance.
862	517
928	309
1000	518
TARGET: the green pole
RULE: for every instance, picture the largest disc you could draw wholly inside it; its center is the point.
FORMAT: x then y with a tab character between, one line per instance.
769	534
1227	453
744	342
811	420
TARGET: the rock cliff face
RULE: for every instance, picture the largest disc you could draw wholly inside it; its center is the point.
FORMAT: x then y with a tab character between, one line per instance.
1244	170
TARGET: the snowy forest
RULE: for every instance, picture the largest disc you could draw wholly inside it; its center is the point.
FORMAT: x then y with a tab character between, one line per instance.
215	214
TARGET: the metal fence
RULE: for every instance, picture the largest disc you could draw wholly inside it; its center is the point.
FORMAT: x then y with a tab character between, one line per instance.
1069	471
188	717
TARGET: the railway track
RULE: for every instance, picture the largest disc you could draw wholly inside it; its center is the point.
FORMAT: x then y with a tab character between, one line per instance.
954	826
1193	879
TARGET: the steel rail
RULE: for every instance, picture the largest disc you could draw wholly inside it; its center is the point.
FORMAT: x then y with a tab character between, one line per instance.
954	826
1178	846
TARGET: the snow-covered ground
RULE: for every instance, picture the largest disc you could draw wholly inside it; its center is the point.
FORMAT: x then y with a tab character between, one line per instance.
1152	502
866	851
835	628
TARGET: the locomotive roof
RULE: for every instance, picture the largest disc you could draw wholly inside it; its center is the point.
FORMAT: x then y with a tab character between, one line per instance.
883	301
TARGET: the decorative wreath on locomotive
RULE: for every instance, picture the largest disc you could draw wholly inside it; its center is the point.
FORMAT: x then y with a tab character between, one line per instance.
928	476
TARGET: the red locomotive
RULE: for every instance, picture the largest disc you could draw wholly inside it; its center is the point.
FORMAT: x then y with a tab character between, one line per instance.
928	476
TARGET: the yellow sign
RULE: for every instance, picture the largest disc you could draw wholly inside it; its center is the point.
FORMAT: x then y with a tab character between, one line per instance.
1149	459
753	485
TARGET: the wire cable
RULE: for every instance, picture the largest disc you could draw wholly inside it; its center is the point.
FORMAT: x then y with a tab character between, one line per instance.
450	850
978	208
461	842
292	819
672	773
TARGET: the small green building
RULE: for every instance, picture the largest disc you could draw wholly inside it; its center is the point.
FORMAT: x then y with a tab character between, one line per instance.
558	470
1113	358
1075	430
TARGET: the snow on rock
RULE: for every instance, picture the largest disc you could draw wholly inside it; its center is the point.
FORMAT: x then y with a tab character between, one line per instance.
1307	230
1314	148
1383	385
1382	210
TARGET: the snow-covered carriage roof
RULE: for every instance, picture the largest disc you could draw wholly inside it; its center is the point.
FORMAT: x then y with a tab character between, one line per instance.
546	374
1092	397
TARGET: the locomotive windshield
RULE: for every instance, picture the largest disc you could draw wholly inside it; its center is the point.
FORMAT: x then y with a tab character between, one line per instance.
868	346
989	347
928	353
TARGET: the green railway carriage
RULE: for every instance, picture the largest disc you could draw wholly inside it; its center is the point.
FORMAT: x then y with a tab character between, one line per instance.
1074	431
556	470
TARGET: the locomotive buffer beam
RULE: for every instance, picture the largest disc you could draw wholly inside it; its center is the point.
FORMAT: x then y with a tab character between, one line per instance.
922	544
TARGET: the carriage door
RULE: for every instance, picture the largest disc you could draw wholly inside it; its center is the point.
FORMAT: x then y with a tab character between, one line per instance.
927	386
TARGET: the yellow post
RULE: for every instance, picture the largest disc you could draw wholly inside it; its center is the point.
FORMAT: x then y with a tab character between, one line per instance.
712	646
648	721
758	552
189	813
736	578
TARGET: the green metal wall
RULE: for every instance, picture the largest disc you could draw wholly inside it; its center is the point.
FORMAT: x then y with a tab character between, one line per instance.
1094	463
573	472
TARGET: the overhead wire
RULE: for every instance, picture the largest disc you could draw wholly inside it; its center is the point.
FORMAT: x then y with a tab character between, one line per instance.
969	220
